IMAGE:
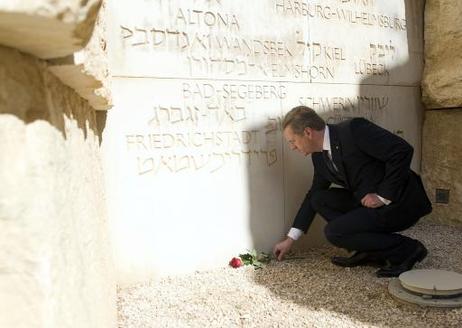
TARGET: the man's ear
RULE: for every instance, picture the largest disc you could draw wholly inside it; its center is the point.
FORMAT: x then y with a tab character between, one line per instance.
308	132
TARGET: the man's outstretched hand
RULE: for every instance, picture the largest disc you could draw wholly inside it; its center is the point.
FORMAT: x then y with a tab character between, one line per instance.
281	248
371	201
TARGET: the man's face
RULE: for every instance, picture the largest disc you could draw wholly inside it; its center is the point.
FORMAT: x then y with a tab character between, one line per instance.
303	143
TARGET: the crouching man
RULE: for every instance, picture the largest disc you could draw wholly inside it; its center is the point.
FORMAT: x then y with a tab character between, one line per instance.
379	194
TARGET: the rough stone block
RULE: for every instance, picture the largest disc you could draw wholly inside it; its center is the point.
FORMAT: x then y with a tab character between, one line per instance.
86	71
442	154
442	81
47	28
56	268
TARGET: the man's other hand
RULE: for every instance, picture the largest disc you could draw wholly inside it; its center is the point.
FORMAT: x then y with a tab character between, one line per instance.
281	248
371	201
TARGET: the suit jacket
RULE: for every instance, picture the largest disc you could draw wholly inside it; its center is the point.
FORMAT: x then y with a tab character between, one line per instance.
370	159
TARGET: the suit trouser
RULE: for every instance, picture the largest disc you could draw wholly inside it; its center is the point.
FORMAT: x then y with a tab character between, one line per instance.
354	227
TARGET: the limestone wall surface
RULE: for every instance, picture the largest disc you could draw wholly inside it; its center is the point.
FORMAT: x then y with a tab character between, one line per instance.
196	167
86	71
441	155
56	266
442	96
441	81
47	28
56	269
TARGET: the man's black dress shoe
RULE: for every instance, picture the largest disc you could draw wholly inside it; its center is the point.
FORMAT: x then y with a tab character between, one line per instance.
417	255
357	259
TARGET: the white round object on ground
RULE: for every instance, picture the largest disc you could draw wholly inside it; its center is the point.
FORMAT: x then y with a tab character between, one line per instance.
437	288
432	282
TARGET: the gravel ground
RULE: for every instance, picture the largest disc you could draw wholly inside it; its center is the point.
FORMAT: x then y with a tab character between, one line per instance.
306	292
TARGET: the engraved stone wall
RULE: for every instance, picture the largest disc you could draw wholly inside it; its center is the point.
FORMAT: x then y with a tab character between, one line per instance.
197	168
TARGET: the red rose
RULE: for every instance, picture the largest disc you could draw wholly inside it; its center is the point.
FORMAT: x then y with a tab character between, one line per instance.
235	262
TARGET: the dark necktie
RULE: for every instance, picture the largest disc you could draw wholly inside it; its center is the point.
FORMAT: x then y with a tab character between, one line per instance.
329	163
331	167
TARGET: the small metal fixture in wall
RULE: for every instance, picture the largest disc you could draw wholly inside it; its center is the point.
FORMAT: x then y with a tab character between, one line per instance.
442	196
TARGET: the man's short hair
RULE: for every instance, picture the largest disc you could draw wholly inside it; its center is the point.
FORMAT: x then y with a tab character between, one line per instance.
302	117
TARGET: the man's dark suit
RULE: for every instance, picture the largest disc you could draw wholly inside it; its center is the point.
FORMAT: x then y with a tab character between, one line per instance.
369	159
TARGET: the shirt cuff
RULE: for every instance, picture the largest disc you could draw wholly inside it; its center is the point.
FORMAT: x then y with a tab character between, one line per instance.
294	233
383	200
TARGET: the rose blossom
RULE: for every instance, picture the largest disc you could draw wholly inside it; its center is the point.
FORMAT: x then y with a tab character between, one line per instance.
235	262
